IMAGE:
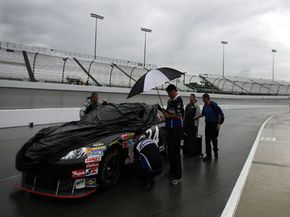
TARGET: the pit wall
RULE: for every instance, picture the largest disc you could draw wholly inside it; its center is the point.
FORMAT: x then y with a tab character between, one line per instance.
22	103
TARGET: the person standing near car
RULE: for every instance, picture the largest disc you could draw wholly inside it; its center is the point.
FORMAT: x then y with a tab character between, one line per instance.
174	124
91	103
192	110
213	118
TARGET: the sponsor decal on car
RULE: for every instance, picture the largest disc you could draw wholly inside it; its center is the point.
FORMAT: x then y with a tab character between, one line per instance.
93	158
125	136
78	173
96	151
125	144
95	164
80	183
103	147
91	183
92	171
99	148
98	144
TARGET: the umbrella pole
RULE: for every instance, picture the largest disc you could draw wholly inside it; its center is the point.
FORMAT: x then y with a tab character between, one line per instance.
159	98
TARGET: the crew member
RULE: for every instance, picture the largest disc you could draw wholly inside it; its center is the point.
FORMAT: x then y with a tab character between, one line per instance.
147	162
213	119
192	110
91	103
174	124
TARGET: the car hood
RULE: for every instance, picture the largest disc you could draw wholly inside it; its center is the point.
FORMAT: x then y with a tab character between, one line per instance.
52	143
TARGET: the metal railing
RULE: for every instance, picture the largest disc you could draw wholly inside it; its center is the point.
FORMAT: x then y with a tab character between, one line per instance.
58	66
63	53
248	86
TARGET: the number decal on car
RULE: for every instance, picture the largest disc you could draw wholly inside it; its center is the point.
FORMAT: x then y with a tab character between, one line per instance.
154	136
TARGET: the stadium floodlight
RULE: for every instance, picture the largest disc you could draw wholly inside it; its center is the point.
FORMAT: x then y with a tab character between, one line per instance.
97	16
101	18
145	30
273	51
223	43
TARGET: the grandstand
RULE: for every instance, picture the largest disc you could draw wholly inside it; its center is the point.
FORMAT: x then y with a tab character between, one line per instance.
245	86
50	65
57	66
36	64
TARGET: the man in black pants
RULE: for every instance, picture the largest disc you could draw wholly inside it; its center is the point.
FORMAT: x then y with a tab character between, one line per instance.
192	110
147	162
212	114
174	124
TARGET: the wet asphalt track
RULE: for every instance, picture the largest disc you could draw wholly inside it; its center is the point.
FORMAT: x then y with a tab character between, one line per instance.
204	191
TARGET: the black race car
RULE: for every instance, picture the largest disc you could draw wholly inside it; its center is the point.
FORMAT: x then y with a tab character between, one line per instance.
77	158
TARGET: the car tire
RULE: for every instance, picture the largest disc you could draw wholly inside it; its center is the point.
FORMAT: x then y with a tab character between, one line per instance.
110	168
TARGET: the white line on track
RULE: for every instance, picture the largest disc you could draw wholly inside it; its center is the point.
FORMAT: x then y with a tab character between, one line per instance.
232	204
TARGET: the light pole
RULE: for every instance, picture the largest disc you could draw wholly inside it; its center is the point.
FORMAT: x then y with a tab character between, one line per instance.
145	30
223	43
273	51
97	17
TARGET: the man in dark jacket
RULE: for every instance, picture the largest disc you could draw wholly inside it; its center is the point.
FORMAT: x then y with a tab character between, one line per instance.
192	110
174	124
91	103
147	162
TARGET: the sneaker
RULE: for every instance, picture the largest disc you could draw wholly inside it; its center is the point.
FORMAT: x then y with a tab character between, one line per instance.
206	158
175	181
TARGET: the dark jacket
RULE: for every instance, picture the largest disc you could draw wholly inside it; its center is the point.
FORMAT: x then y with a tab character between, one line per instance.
175	106
147	152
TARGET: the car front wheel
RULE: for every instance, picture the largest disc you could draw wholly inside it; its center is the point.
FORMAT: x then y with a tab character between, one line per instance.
110	168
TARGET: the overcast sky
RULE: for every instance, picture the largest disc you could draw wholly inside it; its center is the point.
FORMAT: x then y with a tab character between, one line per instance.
186	34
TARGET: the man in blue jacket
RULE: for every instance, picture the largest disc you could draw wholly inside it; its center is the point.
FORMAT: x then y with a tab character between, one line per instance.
213	117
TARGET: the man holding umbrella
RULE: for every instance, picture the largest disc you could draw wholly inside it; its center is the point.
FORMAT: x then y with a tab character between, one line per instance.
174	113
174	124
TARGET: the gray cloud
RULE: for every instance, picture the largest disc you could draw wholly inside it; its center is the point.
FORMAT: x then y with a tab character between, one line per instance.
186	34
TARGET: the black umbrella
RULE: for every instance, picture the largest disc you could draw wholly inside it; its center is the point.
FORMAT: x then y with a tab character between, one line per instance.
152	79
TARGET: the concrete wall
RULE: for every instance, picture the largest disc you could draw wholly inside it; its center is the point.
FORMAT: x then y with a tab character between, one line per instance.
23	117
43	103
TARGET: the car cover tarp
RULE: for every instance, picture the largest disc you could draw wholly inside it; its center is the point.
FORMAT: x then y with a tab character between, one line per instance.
52	143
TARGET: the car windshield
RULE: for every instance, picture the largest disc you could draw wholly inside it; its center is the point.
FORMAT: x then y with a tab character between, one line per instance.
103	114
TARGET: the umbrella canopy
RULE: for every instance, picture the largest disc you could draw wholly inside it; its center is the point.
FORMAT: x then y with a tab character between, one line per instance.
152	79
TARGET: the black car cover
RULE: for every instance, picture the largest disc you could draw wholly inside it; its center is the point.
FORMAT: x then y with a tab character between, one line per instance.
52	143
